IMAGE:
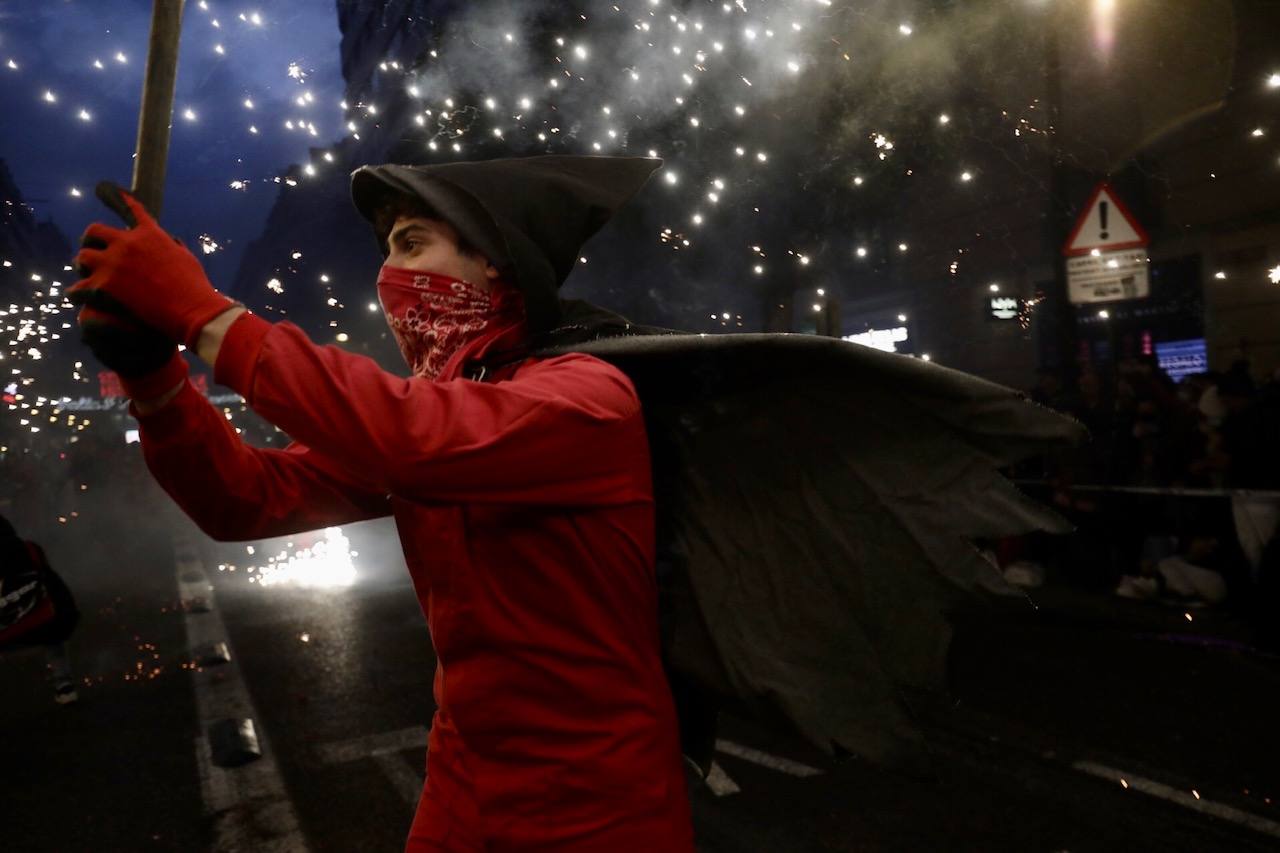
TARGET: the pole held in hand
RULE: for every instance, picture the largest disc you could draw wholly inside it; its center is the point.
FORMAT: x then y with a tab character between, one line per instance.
155	117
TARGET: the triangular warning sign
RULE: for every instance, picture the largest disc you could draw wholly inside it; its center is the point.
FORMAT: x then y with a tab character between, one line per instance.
1106	225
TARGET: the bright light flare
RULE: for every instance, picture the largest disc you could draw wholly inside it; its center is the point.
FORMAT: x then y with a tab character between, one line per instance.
325	565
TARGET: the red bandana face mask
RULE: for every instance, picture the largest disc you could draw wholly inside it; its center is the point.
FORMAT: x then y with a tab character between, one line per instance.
434	316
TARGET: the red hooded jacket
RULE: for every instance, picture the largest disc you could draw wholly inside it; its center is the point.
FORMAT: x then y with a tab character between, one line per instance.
524	505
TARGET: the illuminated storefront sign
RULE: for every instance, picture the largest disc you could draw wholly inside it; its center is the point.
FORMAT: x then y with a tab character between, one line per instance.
881	339
1004	308
121	404
109	384
1182	358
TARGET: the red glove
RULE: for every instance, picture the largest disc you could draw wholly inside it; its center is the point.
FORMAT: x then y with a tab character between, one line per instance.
147	362
148	272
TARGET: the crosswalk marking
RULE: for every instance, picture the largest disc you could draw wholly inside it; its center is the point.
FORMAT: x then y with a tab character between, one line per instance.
719	782
383	746
764	759
1158	789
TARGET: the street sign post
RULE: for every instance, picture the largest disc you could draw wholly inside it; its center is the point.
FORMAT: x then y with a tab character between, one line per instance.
1106	252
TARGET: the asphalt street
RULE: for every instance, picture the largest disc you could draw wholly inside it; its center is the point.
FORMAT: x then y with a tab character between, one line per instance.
1097	724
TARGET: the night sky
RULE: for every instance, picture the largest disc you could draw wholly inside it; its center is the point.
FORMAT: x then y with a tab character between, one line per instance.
820	149
50	149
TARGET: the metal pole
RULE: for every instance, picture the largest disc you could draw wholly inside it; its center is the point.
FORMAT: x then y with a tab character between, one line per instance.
156	114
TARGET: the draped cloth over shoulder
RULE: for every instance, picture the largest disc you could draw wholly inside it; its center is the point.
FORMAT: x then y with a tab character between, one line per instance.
815	499
816	502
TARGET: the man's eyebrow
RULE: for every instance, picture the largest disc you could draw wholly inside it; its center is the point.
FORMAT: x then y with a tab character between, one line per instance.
412	226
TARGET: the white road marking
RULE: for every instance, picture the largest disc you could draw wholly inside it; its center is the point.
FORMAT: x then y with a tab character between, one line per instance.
249	805
407	783
383	749
773	762
414	737
719	782
384	746
1182	798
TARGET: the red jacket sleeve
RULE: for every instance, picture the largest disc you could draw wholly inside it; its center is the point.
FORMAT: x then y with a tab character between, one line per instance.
233	491
564	431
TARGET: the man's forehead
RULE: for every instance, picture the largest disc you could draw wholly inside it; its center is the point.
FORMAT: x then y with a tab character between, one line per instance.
408	221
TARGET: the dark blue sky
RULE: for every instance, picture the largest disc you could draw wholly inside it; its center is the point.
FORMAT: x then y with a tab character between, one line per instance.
50	149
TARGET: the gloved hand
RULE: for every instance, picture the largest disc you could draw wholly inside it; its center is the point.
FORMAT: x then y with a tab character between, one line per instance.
145	271
148	363
123	344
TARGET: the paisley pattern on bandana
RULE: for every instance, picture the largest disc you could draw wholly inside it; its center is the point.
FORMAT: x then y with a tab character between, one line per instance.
434	316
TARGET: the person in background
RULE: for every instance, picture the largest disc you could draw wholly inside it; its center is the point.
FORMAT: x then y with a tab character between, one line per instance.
36	609
1250	453
1049	390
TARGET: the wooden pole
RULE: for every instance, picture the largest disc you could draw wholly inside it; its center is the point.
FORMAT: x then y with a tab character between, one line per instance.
155	117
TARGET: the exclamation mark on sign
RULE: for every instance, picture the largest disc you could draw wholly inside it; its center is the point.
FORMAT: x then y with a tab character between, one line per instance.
1102	212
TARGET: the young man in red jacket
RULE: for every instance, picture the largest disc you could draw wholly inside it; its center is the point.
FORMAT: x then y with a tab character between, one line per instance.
522	493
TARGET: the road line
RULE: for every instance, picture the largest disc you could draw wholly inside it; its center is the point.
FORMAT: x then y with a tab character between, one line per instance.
385	743
719	782
384	746
1182	798
407	783
773	762
249	805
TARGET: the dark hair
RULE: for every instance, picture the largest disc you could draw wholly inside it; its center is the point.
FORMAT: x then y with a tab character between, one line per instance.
396	205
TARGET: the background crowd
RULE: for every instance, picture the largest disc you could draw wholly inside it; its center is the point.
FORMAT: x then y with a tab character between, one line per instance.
1174	495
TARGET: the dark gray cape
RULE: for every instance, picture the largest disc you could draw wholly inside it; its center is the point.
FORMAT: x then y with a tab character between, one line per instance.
816	505
816	500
